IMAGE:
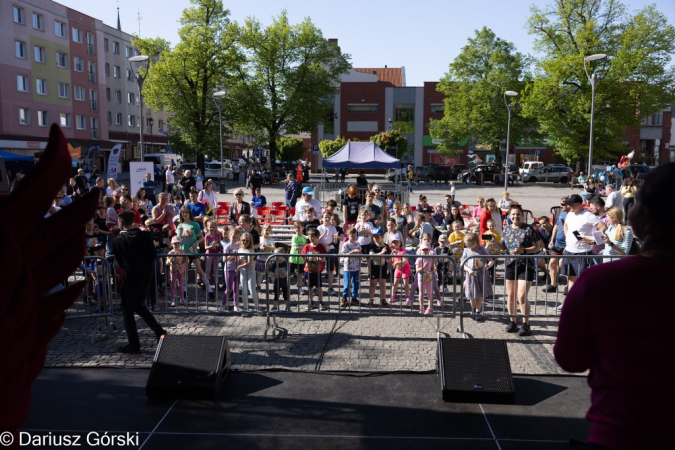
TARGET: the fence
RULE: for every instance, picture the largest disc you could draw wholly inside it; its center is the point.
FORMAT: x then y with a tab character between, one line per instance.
338	192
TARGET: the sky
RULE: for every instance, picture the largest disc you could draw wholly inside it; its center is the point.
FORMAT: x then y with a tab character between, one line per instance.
424	36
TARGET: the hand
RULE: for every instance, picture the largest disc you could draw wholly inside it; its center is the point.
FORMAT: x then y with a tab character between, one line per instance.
605	238
469	271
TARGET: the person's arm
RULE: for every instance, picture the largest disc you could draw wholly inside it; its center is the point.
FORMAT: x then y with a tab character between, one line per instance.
553	234
572	350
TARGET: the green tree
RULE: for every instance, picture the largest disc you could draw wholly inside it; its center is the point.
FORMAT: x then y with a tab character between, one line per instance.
328	147
183	79
474	94
285	79
391	142
636	79
290	148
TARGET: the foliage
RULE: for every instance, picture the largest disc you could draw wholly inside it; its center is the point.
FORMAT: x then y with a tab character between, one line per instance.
474	94
328	147
183	79
290	148
636	79
392	142
284	78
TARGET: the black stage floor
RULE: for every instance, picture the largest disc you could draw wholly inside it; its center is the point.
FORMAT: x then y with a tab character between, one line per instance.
283	410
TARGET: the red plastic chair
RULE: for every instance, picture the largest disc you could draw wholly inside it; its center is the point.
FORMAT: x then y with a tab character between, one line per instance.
277	217
275	205
264	214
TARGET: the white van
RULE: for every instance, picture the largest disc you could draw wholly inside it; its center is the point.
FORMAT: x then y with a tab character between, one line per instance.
530	166
164	159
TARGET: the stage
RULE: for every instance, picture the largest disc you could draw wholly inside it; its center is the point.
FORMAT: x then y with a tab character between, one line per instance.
290	410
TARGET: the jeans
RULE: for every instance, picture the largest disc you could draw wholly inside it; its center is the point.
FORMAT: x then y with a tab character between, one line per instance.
133	302
247	279
352	276
409	185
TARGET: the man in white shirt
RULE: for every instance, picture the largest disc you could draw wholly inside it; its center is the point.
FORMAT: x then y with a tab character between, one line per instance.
170	180
301	206
614	199
579	226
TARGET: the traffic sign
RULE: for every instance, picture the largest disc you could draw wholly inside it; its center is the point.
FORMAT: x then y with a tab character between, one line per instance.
537	152
315	149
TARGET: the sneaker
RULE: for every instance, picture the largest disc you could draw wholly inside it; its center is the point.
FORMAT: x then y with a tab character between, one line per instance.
512	327
160	334
478	317
421	309
565	291
392	299
212	296
274	309
235	308
446	291
440	303
331	291
287	308
550	288
183	302
301	291
371	302
323	306
559	308
355	301
343	303
311	306
428	311
129	349
525	331
222	308
173	304
408	303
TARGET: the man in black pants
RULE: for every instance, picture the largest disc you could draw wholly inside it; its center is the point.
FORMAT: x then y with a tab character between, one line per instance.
135	253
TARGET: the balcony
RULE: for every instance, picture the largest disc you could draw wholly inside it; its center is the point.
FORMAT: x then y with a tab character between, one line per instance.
91	50
94	133
93	105
92	77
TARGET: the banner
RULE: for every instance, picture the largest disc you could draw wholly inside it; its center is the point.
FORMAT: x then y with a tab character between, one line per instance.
137	175
114	161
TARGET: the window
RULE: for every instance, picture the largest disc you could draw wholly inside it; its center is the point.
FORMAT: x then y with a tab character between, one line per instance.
654	119
404	117
132	120
42	118
109	118
128	52
118	119
116	71
107	69
38	22
41	86
60	29
116	48
362	108
19	16
78	64
64	119
24	116
77	35
131	98
118	96
437	108
22	83
93	100
39	54
78	93
64	90
129	75
92	72
107	94
91	48
160	124
20	49
62	60
81	122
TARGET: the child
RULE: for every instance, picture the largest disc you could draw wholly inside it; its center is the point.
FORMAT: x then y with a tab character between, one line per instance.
231	278
95	268
177	205
330	207
177	266
474	229
438	216
490	244
401	269
477	284
246	268
314	265
278	272
110	213
266	246
426	239
391	230
364	229
297	243
336	221
212	245
379	269
351	268
456	239
329	239
452	190
425	268
312	222
443	263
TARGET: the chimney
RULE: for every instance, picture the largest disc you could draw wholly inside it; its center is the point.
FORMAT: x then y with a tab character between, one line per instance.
385	66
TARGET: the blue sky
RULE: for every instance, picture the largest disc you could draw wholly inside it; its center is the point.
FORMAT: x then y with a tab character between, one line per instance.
423	35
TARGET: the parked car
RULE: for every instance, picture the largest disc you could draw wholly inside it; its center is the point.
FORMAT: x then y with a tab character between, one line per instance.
192	167
639	171
552	173
212	170
442	174
530	166
488	172
424	173
457	170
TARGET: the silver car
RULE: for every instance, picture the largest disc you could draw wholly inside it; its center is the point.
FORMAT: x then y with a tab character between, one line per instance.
553	173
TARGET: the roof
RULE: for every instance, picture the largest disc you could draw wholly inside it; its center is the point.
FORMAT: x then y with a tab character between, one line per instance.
361	155
390	75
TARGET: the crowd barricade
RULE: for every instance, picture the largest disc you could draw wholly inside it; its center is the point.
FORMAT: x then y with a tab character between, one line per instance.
540	302
338	191
97	299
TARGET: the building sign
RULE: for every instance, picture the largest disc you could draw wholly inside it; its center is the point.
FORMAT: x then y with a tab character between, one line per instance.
443	160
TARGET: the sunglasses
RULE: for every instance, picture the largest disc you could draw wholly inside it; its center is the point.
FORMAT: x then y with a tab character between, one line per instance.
124	190
238	195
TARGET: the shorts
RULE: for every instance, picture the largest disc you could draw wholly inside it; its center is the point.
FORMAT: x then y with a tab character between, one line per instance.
379	272
314	279
405	273
557	250
572	267
260	266
520	271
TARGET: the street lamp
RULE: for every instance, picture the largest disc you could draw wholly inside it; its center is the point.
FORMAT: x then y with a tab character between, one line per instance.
217	95
143	61
593	79
509	106
151	122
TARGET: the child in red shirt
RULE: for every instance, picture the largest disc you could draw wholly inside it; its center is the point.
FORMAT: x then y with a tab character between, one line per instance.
314	265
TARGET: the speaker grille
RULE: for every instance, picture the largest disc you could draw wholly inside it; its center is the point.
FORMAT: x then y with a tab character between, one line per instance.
191	352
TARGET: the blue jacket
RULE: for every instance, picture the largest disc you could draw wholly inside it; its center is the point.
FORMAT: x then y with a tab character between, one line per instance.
291	194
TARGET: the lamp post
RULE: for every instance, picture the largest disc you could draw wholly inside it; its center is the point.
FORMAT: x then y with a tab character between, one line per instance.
593	79
151	122
509	107
143	61
216	96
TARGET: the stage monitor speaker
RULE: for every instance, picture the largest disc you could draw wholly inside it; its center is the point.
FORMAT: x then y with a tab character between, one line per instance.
475	371
189	367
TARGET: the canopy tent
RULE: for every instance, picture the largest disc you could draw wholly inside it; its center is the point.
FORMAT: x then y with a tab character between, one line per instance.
361	155
17	163
12	157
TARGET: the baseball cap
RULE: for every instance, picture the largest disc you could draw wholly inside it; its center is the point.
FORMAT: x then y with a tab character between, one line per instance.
426	210
175	240
307	190
377	231
425	246
574	198
443	237
395	237
176	219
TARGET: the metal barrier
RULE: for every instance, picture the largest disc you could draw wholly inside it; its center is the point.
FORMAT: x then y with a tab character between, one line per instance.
537	300
338	192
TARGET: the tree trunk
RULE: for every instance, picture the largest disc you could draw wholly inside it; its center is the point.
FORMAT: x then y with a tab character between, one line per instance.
272	145
200	162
